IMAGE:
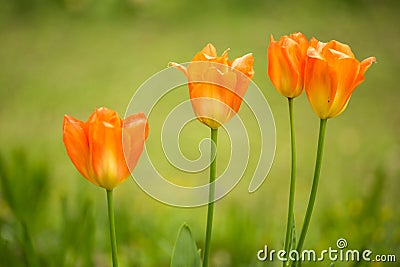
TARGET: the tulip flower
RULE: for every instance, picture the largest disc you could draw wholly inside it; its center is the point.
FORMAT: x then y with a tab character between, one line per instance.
286	63
105	149
332	74
217	85
95	147
216	88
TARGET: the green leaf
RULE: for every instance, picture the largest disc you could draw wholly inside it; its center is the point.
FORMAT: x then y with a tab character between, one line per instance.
332	265
185	253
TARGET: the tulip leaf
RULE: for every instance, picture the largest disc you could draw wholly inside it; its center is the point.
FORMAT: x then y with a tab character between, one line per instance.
185	253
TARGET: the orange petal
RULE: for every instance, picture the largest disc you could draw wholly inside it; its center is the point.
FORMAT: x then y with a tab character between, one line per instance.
244	64
282	68
364	66
301	40
179	67
338	46
207	52
346	70
215	97
320	84
243	69
105	141
271	39
212	111
314	43
135	132
317	45
76	143
106	115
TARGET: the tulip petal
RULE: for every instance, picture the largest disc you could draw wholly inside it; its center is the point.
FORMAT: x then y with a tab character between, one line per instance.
346	70
314	43
209	50
320	84
244	64
76	143
244	72
106	115
301	41
135	132
336	46
216	95
107	159
179	67
279	71
364	66
206	53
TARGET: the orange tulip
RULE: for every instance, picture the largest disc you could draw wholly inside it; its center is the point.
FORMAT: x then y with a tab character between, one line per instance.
286	63
216	85
332	74
96	149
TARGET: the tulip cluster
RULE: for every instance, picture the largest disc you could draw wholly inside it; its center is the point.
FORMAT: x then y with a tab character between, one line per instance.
105	148
329	72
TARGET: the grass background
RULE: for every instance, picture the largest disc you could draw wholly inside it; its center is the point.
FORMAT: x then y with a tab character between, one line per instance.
71	56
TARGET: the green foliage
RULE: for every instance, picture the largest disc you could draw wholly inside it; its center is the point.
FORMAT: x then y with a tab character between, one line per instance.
25	239
17	194
26	201
77	234
185	253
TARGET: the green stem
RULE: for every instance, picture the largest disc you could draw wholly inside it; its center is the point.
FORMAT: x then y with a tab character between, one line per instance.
211	194
313	194
113	238
290	220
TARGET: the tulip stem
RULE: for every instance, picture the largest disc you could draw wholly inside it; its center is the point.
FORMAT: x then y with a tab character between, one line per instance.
290	218
211	195
113	238
317	171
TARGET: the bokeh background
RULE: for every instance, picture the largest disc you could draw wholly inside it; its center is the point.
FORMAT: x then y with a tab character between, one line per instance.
71	56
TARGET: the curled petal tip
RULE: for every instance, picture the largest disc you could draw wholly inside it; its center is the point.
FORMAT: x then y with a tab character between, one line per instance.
179	67
67	117
371	60
209	50
271	38
69	120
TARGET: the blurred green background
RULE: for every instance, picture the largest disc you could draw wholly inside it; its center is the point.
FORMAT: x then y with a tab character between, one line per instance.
71	56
